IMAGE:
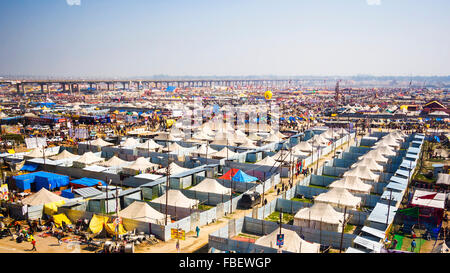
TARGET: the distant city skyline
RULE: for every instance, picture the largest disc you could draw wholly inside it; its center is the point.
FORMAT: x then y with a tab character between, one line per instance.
235	38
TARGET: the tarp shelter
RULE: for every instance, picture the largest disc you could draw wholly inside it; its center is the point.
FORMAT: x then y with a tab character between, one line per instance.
339	197
86	182
212	186
352	184
177	199
59	218
292	242
429	199
320	216
229	175
362	172
112	230
97	223
52	208
141	211
42	180
41	197
240	176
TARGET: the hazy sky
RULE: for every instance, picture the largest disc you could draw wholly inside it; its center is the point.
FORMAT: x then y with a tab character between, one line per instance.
224	37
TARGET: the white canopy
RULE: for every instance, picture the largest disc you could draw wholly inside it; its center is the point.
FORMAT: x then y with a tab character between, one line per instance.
292	242
150	145
130	142
86	159
212	186
320	216
203	150
141	211
375	154
176	198
304	146
114	162
140	165
173	168
369	162
64	155
385	150
352	184
100	142
268	161
339	197
224	153
362	172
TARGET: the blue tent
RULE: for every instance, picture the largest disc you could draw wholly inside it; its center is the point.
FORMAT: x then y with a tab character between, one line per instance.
88	182
240	176
29	167
42	179
171	88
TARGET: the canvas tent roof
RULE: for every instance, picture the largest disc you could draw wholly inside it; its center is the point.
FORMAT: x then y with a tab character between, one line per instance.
339	197
115	162
240	176
141	211
88	158
140	165
212	186
428	199
224	153
321	212
385	150
149	145
292	242
130	142
42	197
229	175
176	198
362	172
64	155
267	161
369	162
100	142
202	150
303	146
173	168
375	154
352	183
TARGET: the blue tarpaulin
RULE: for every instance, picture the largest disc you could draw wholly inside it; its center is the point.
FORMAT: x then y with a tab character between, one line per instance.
240	176
88	182
42	179
29	167
67	194
171	88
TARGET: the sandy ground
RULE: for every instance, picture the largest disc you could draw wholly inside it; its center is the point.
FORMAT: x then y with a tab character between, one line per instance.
43	245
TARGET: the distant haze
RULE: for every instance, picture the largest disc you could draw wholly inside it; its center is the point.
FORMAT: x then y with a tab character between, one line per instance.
235	38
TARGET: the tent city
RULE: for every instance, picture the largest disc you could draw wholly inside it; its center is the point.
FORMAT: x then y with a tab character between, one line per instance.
242	139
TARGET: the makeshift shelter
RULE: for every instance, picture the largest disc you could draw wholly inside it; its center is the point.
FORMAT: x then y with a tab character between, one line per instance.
211	186
112	229
229	175
98	223
141	211
292	242
59	218
177	199
240	176
352	184
42	197
41	180
362	172
320	216
370	163
141	165
87	159
86	182
339	197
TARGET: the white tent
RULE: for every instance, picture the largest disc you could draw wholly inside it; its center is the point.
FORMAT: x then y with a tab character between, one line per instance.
203	151
114	162
352	184
87	159
100	142
149	145
174	148
176	198
318	140
42	197
224	153
212	186
292	242
375	154
385	150
64	155
369	162
303	146
173	168
39	153
268	161
130	142
141	211
248	143
140	165
339	197
166	137
254	136
320	216
272	138
362	172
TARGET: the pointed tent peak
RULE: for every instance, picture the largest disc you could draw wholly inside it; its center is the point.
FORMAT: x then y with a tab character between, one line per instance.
130	142
43	196
176	198
211	185
240	176
114	161
292	242
100	142
229	175
63	155
143	212
322	212
267	161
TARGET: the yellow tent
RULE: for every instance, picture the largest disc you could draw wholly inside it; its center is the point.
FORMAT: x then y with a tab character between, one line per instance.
59	218
52	208
170	122
111	229
97	223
